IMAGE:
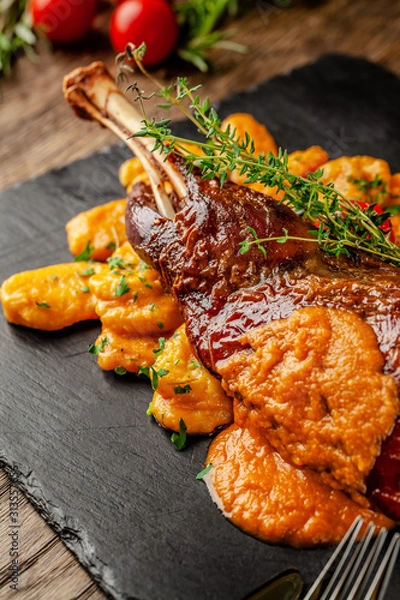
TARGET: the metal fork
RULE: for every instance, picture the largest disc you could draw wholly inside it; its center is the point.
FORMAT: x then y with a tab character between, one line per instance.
364	569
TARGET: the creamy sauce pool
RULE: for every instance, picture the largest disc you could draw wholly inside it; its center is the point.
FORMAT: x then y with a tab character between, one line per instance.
312	406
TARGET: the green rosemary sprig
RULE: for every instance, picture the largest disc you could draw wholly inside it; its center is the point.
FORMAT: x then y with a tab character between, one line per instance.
341	226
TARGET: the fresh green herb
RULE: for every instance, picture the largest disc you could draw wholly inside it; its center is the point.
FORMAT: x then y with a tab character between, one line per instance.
152	374
43	304
177	361
343	226
97	348
179	439
135	296
86	253
16	33
85	289
120	370
148	285
53	277
160	325
87	272
122	287
149	410
193	364
152	307
366	186
204	472
182	389
199	26
161	341
116	262
142	266
111	246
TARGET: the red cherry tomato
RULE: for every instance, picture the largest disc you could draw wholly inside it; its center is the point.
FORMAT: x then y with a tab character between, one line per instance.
63	21
150	21
386	226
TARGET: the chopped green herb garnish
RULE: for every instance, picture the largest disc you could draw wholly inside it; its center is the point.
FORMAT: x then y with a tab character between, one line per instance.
193	364
120	370
135	296
177	361
116	262
85	289
179	439
153	375
111	246
54	277
161	341
149	410
86	253
122	287
152	307
143	266
148	285
160	325
97	348
87	272
206	470
43	304
182	389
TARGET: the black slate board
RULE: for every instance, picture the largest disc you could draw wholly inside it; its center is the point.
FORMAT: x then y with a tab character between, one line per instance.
104	475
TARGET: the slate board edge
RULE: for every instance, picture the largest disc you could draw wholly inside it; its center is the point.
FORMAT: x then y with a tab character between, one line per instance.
27	483
60	524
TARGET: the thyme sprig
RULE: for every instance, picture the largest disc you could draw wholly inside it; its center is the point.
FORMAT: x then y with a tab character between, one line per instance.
340	225
16	33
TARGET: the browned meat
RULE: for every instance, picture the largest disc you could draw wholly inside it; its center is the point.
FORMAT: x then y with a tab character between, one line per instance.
223	293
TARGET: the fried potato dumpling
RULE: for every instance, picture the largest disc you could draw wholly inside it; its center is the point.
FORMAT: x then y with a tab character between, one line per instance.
188	391
130	172
134	309
99	230
360	177
51	298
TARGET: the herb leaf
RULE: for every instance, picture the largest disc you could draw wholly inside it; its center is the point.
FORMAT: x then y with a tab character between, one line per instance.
204	472
179	439
182	389
43	304
97	348
86	253
122	287
120	370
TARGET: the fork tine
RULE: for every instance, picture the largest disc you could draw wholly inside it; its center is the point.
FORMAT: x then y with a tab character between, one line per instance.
362	579
350	535
353	567
383	574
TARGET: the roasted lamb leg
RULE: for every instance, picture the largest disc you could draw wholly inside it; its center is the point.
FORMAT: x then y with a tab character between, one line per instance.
224	293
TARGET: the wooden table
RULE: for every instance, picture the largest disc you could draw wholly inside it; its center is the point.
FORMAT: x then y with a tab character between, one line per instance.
39	131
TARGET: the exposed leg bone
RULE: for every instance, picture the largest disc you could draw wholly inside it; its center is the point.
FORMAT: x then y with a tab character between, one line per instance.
93	95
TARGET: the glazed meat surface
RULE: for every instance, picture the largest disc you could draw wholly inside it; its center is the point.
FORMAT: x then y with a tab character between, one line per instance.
224	293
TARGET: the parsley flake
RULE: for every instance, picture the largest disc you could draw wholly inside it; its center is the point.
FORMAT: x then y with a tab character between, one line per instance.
87	272
158	351
193	364
179	439
153	375
111	246
43	304
85	254
204	472
116	262
160	325
149	410
182	389
122	287
120	370
85	289
97	348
